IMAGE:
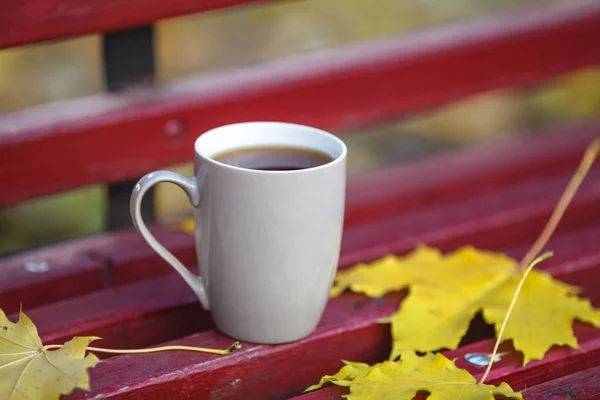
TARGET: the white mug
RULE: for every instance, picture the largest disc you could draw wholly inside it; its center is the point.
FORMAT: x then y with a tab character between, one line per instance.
267	242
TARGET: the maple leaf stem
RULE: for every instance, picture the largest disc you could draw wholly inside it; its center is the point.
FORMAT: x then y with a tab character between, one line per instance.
589	157
233	347
530	267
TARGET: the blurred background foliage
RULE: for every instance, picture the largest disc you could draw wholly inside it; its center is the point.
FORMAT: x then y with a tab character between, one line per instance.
68	69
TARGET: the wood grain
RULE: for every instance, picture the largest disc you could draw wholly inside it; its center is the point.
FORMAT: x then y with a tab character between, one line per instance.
132	316
516	214
583	385
360	84
85	265
459	174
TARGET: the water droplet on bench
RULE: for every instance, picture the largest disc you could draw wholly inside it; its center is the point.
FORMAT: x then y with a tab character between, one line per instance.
558	394
481	359
37	266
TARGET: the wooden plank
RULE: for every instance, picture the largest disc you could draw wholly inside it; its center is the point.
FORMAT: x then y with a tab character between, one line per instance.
583	385
132	316
347	331
360	84
84	265
177	375
516	214
30	22
466	172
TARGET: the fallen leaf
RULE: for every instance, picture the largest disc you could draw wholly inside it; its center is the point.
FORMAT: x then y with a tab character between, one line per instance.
446	291
439	308
29	371
344	376
387	274
543	314
402	379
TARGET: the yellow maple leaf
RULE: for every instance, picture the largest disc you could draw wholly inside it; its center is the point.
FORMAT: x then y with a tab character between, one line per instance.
387	274
446	292
437	312
543	313
344	377
402	379
29	371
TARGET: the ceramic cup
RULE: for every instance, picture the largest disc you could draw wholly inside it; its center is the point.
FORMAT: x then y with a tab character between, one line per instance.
268	242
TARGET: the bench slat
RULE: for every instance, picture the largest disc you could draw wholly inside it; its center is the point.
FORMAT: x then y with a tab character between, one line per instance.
85	265
360	83
25	23
134	316
483	221
583	385
466	172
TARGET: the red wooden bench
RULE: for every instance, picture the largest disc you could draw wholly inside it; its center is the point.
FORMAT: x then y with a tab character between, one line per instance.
497	197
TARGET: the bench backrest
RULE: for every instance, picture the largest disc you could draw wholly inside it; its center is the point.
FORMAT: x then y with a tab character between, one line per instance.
116	137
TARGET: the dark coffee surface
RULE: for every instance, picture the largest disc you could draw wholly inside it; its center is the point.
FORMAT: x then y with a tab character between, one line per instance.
274	158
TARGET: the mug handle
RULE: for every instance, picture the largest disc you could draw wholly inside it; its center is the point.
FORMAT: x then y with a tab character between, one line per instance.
191	188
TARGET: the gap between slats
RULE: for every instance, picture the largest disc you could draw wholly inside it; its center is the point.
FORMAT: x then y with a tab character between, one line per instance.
87	265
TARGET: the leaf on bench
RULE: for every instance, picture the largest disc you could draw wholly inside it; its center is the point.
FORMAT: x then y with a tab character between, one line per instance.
542	316
387	274
345	376
29	371
402	379
446	291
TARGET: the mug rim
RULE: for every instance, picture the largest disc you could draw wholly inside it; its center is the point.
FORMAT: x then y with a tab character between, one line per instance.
209	158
